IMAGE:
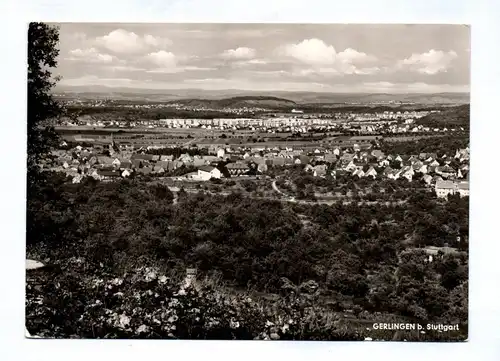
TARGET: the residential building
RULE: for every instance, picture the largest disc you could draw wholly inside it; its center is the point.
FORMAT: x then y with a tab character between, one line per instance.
444	188
238	168
207	172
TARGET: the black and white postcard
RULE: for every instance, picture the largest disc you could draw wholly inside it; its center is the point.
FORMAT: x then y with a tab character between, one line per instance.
248	181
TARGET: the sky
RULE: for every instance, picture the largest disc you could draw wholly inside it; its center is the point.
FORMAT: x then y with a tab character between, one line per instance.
265	57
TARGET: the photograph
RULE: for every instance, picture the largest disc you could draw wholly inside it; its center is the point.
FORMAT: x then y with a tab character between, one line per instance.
247	181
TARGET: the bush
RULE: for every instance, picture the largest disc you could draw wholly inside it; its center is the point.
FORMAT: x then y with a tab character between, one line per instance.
251	243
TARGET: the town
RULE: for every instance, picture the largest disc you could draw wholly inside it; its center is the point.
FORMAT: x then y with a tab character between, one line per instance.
357	156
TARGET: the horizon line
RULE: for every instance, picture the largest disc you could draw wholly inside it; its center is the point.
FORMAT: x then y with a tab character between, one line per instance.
118	88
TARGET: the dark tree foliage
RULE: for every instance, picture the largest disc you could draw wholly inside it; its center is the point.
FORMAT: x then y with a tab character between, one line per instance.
368	254
440	145
42	54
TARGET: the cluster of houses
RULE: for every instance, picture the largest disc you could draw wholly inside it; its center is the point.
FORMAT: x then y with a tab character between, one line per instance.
448	174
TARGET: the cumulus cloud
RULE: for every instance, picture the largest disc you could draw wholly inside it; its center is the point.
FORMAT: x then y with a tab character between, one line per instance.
432	62
162	58
167	62
122	41
239	53
311	51
353	56
323	58
91	55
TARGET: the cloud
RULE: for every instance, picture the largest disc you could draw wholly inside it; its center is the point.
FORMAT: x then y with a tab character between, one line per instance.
353	56
179	69
168	63
122	41
311	51
239	53
323	58
91	55
432	62
162	58
95	80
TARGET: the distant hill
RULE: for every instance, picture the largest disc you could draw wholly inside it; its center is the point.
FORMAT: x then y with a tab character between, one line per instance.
459	115
239	102
102	92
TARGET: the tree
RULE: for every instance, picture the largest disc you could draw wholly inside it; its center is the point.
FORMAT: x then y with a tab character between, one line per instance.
42	54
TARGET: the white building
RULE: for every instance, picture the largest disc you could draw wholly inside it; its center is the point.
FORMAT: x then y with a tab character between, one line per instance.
443	188
208	172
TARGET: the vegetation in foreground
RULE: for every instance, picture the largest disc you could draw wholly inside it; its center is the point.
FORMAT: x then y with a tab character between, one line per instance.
366	261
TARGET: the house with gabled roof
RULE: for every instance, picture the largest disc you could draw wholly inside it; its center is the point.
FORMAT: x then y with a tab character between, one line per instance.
407	172
350	166
207	172
434	163
445	188
412	159
359	173
237	168
445	171
371	172
108	174
158	169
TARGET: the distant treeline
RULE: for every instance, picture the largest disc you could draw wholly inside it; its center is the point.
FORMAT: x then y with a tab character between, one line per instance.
453	116
440	145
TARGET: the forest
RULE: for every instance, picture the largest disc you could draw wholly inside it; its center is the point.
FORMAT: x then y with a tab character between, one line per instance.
368	258
439	145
